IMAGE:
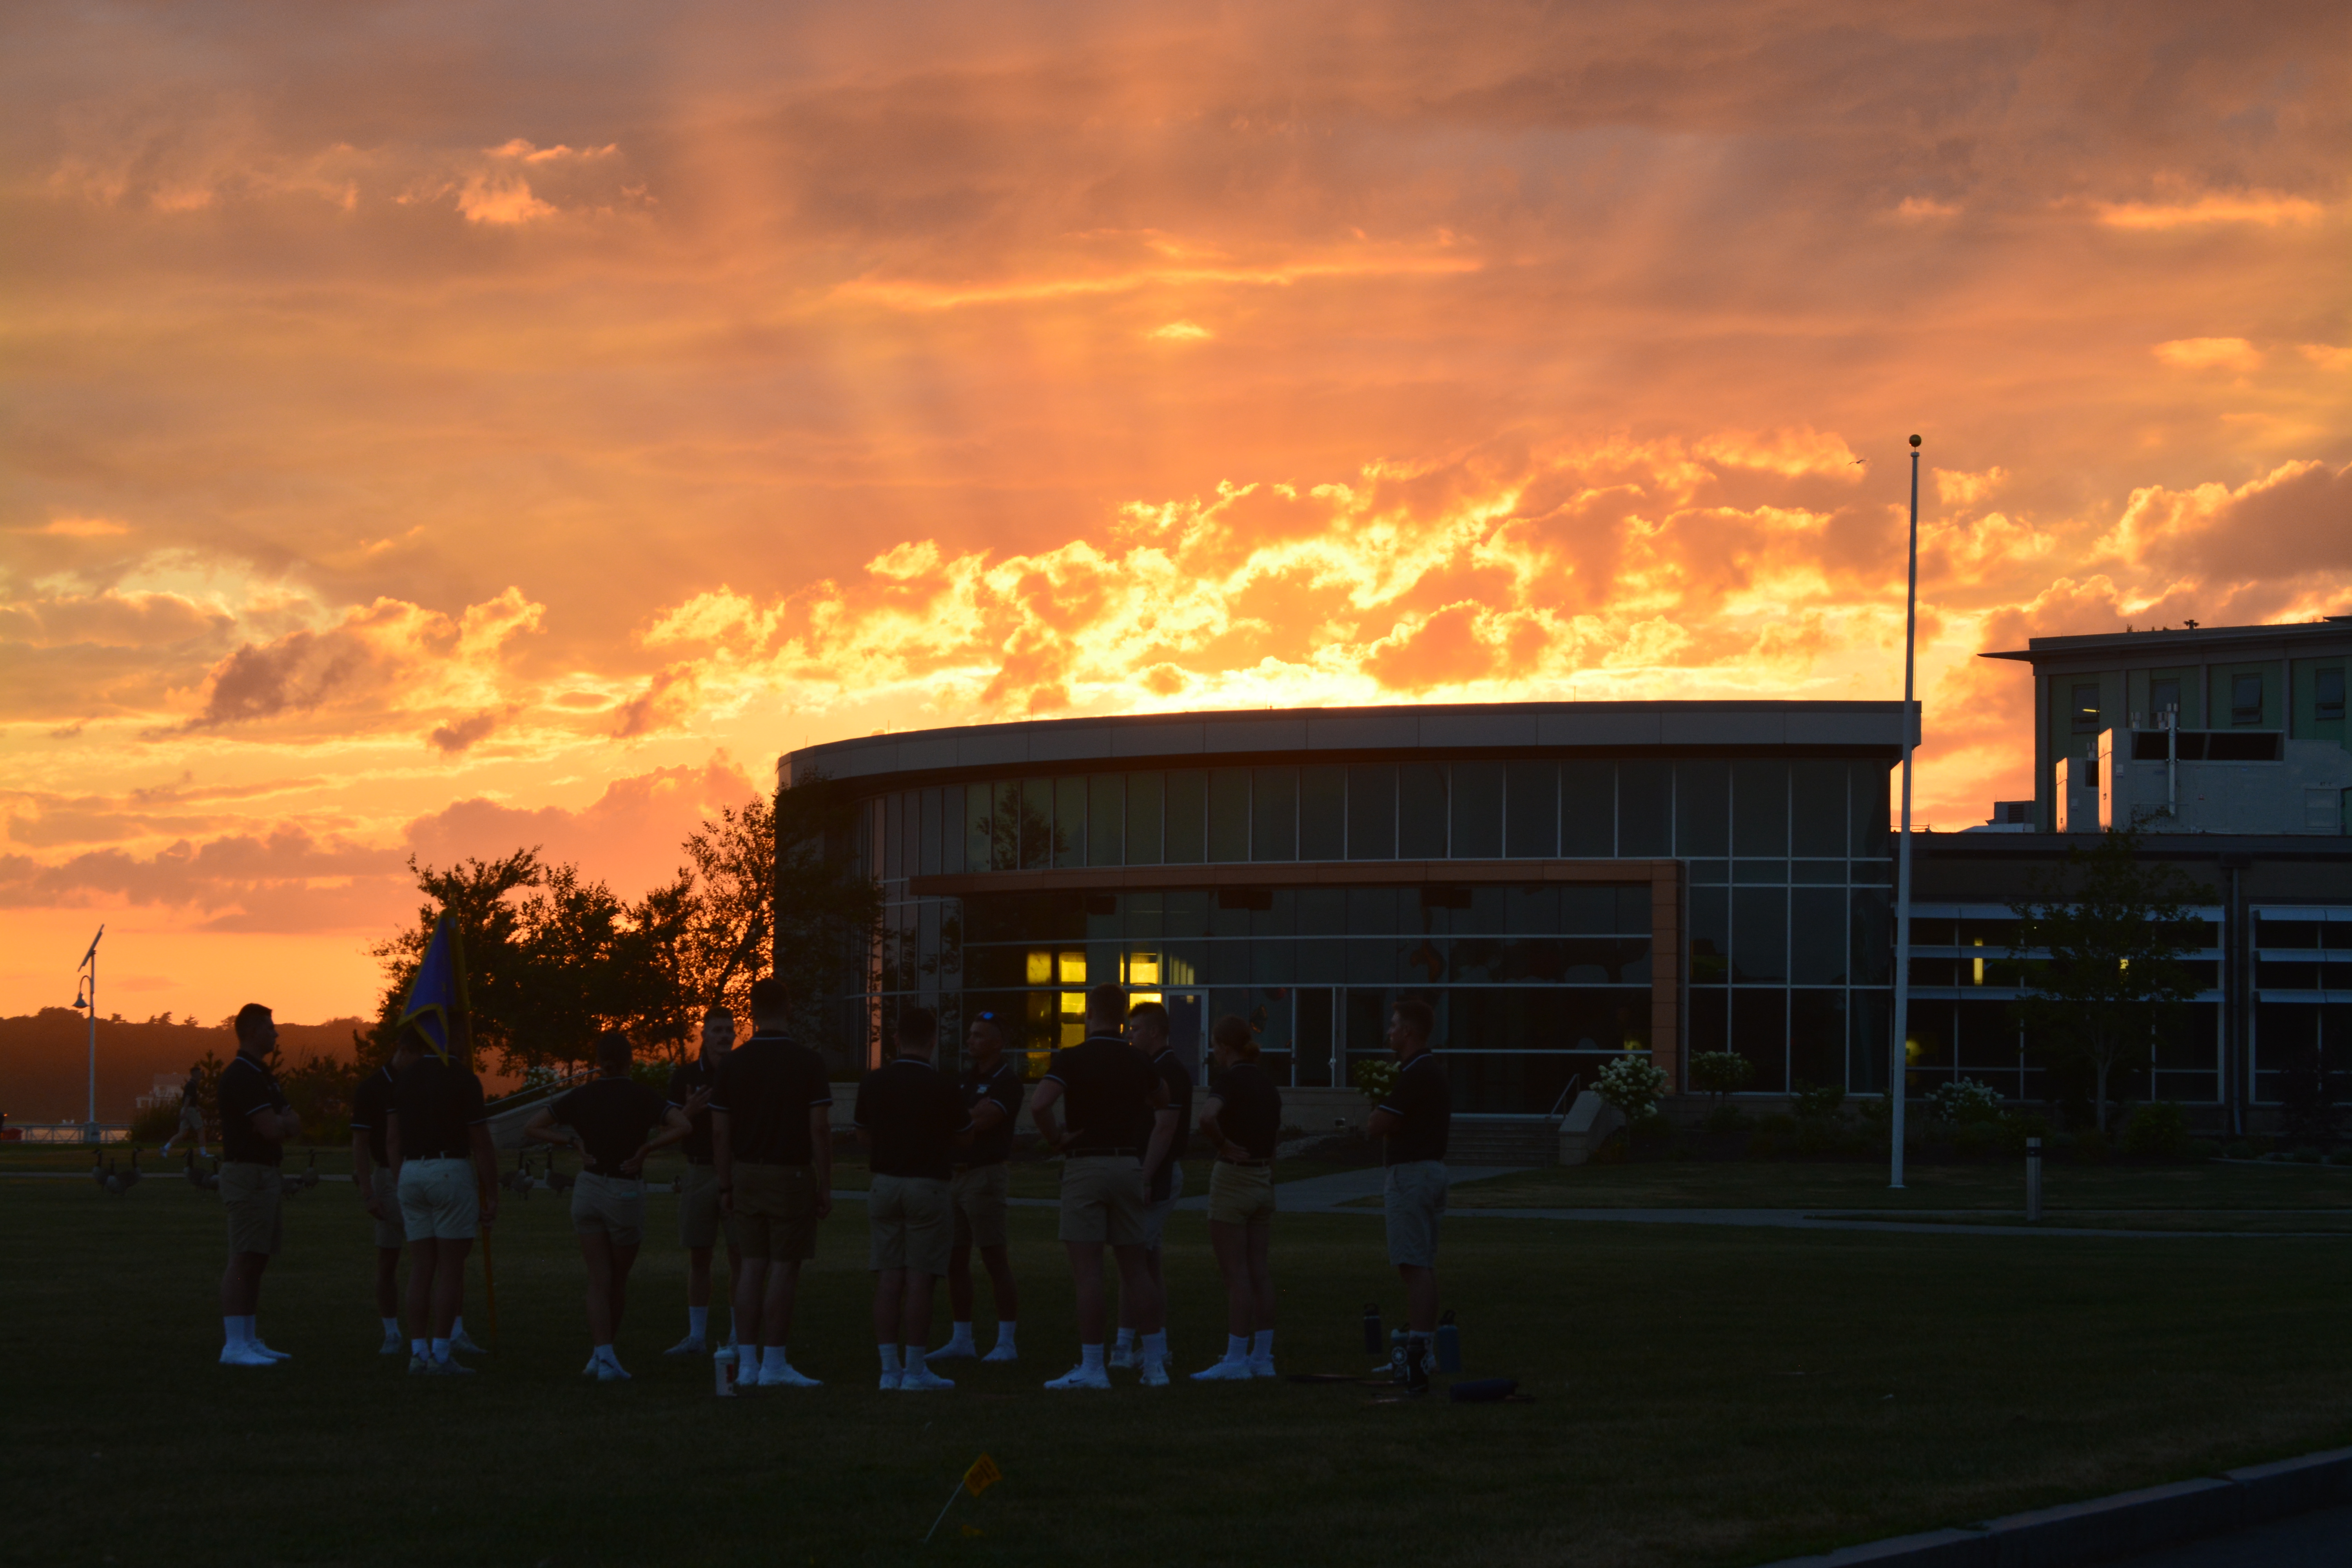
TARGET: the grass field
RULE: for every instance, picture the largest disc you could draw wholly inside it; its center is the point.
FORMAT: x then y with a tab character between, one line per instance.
1703	1396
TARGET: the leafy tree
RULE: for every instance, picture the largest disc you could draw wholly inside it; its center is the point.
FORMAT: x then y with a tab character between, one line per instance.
2114	928
730	929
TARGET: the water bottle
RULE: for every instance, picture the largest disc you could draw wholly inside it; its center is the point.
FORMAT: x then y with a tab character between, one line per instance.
1449	1343
1375	1340
1396	1354
722	1367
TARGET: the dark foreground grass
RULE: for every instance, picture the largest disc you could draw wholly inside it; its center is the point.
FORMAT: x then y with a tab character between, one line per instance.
1703	1396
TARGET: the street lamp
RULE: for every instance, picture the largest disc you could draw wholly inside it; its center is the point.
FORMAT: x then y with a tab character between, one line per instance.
85	996
1898	1069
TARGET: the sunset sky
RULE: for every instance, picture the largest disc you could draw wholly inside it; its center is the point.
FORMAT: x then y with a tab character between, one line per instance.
435	429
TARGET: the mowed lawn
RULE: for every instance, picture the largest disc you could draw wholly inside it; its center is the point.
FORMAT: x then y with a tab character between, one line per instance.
1702	1395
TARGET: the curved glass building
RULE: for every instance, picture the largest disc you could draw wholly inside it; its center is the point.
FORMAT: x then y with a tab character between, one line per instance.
1564	882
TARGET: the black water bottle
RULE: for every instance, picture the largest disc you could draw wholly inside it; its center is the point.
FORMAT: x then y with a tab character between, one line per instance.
1376	1342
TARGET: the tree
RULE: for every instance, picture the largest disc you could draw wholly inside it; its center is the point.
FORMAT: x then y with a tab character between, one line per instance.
732	929
2114	980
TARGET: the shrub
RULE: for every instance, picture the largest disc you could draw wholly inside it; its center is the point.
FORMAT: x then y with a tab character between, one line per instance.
1818	1136
1817	1102
1651	1131
2157	1131
1774	1137
1976	1140
1374	1078
1966	1100
1719	1073
1726	1119
156	1122
1631	1083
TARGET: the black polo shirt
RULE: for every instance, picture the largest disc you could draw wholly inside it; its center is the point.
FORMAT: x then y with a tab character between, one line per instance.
1106	1088
437	1105
612	1116
768	1087
372	1109
246	1086
686	1080
995	1146
1249	1108
1424	1099
912	1111
1179	1079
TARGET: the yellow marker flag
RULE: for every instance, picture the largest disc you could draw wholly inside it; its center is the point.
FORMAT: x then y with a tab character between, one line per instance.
982	1475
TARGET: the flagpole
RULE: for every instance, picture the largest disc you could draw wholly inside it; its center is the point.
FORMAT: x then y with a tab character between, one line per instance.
90	962
1898	1070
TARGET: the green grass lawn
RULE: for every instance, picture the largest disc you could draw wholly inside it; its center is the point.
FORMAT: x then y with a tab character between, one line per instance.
1703	1396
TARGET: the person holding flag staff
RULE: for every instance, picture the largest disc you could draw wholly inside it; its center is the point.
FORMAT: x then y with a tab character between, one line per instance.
980	1196
699	1222
1120	1124
613	1122
1415	1119
438	1143
371	1179
1242	1116
771	1142
910	1116
256	1122
1146	1031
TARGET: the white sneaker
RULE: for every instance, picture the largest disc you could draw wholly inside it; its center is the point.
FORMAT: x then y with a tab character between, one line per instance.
1121	1359
1155	1373
462	1340
791	1377
686	1346
607	1371
1263	1366
1223	1372
954	1349
394	1345
890	1382
1001	1354
922	1379
1079	1377
594	1360
244	1355
268	1353
418	1366
453	1367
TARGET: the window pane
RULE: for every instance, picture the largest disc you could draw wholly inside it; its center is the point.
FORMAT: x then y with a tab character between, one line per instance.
1759	1031
2163	696
1146	806
1188	816
1869	1019
1868	818
1816	1039
977	856
1107	819
1759	796
930	858
1478	811
1323	814
1818	948
1070	821
1645	804
1315	1030
1588	809
1710	936
1710	1020
1702	809
1531	809
1817	802
2086	708
894	810
1036	823
1420	812
1229	822
1872	937
1371	812
1273	815
2245	700
1759	934
2327	694
952	828
1005	820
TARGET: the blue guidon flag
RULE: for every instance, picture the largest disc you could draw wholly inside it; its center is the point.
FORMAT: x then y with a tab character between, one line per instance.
437	997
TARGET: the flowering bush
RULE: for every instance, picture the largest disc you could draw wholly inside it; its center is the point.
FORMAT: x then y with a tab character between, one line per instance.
1719	1073
1631	1083
1374	1077
1965	1101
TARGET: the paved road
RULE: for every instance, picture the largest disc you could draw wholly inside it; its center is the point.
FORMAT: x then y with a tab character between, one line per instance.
2321	1540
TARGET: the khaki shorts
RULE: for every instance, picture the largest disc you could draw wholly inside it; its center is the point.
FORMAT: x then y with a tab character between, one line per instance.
389	1231
909	1223
192	1117
1240	1195
775	1212
980	1201
1415	1195
438	1201
699	1222
1102	1199
612	1206
255	1204
1155	1215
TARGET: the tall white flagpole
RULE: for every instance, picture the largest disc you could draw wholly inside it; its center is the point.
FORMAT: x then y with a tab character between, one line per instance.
90	962
1899	1068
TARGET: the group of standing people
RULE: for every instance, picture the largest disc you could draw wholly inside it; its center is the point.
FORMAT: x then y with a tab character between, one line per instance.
754	1121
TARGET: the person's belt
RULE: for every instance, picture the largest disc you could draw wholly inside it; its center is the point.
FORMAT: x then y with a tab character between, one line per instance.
428	1159
1104	1154
1249	1164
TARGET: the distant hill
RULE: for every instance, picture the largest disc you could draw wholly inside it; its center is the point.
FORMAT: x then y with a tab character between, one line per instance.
44	1058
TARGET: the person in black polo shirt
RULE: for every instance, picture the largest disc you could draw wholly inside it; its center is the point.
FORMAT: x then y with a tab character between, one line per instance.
1146	1031
1242	1116
991	1093
772	1140
612	1122
699	1222
256	1122
446	1175
371	1179
1415	1119
910	1116
1120	1122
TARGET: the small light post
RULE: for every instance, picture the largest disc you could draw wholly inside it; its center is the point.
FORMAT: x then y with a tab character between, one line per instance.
2034	1180
1898	1069
85	996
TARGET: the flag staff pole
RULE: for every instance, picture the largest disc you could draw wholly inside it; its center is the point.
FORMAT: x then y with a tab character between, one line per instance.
90	999
1898	1069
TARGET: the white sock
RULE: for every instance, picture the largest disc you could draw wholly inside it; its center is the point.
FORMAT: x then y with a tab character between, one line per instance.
1003	1334
604	1352
771	1362
420	1347
914	1357
252	1334
698	1322
1127	1339
962	1335
1091	1357
1236	1348
1261	1346
1155	1346
233	1331
457	1326
889	1357
440	1347
392	1327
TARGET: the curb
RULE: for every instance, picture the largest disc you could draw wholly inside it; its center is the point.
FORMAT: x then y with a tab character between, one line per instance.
2106	1528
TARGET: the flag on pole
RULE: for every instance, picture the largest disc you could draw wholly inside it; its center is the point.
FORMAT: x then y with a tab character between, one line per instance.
982	1475
437	997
